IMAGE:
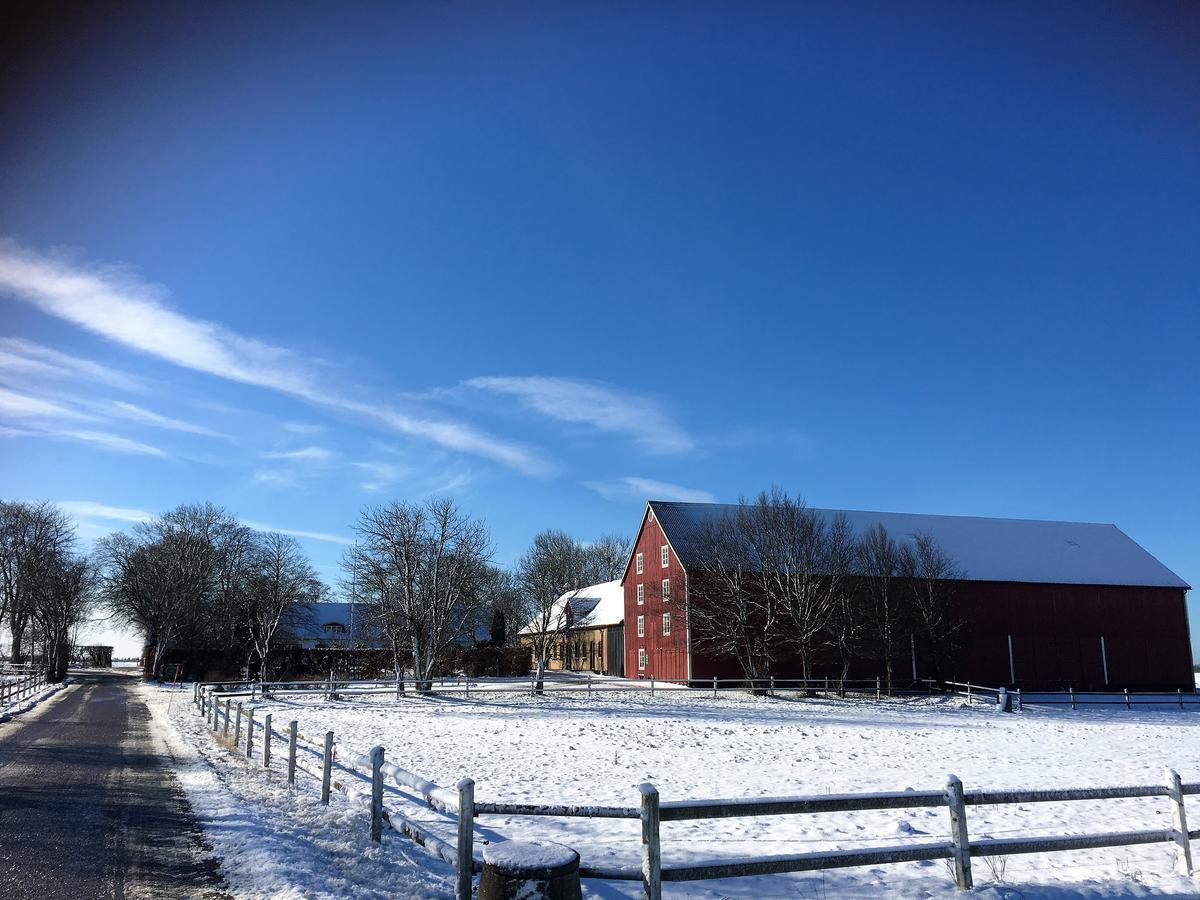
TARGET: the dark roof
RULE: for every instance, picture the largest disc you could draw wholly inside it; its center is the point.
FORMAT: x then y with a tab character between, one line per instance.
1024	550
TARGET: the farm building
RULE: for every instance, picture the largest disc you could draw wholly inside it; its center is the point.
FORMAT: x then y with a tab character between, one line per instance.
1046	605
594	637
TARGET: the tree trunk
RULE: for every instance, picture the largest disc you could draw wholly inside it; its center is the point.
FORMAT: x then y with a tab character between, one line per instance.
18	631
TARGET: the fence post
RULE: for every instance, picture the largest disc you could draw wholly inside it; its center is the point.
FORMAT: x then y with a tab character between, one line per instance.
651	685
326	767
249	731
1020	702
267	741
237	731
959	841
227	705
590	690
1179	829
399	686
292	752
1179	691
771	686
878	687
377	794
714	687
465	861
651	848
253	690
1071	689
1127	698
196	695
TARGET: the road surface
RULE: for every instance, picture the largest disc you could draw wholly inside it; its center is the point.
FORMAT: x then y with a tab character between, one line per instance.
90	806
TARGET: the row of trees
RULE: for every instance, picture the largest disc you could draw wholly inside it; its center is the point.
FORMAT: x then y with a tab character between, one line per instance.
777	580
47	590
196	577
423	572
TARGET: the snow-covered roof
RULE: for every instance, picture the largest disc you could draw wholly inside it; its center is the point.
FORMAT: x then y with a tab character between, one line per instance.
594	606
1024	550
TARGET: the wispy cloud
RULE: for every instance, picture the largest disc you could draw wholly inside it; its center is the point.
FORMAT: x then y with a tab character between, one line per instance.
156	420
633	488
302	428
88	509
307	454
381	475
114	304
602	406
22	406
107	441
298	533
28	358
92	510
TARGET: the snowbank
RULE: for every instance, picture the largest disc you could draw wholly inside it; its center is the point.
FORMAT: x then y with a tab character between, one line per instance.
569	749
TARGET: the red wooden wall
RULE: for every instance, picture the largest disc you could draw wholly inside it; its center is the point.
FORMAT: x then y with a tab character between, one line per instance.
666	656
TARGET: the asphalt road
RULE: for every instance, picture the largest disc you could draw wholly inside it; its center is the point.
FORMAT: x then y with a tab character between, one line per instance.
90	806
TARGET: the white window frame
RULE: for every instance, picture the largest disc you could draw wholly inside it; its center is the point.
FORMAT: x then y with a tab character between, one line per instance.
666	555
666	625
666	590
641	594
641	564
641	626
641	659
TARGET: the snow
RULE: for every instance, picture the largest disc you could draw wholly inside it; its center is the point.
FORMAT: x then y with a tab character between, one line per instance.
598	605
15	709
567	748
528	856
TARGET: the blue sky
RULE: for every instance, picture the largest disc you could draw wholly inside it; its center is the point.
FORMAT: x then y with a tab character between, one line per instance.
553	260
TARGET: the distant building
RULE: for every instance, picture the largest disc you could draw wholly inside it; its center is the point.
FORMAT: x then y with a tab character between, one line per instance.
594	639
1047	604
336	625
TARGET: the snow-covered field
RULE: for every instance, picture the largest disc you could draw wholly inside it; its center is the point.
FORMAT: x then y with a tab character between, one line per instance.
568	748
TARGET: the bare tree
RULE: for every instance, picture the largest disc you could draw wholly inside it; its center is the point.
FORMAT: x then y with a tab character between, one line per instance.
282	587
64	598
31	535
848	618
506	614
729	610
931	576
421	568
549	577
878	566
162	579
791	543
610	556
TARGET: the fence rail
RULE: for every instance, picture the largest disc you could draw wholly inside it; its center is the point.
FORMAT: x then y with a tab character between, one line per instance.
17	687
362	779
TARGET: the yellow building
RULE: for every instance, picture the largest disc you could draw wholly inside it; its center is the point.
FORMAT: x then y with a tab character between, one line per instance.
591	630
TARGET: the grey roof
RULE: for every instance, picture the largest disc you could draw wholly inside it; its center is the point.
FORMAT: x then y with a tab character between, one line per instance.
1024	550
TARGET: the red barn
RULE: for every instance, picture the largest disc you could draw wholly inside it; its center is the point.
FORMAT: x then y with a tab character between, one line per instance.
1047	604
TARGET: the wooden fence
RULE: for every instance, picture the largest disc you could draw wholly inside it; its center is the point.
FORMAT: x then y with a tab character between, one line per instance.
362	779
18	686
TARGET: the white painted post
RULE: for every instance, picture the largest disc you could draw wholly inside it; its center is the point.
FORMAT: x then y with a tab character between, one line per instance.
196	695
228	703
1071	689
1179	829
878	687
912	646
249	732
465	859
267	741
714	687
1127	698
651	846
377	794
1179	691
326	767
960	845
1020	702
771	687
292	752
253	690
237	731
968	693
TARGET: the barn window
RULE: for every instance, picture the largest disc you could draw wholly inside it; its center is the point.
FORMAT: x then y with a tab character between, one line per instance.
641	626
666	589
666	556
641	594
640	564
641	658
666	623
335	628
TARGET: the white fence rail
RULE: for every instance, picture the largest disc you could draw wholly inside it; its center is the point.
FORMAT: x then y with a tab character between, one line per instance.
16	687
364	777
